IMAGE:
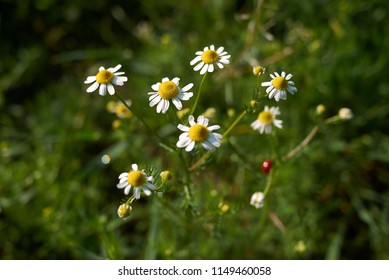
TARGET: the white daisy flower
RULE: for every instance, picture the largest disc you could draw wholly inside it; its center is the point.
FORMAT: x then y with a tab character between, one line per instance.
166	91
210	57
257	200
278	86
105	79
136	179
266	119
199	132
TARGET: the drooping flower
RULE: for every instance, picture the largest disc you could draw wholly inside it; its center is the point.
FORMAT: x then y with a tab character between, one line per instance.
200	133
208	58
136	179
169	90
257	200
105	79
266	119
278	86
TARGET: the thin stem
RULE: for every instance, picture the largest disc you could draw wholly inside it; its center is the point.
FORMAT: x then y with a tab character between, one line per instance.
234	124
305	142
268	183
136	115
198	95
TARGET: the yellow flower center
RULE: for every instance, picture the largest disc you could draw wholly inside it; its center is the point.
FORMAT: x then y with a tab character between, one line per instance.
280	83
210	56
265	117
136	178
198	133
104	77
168	90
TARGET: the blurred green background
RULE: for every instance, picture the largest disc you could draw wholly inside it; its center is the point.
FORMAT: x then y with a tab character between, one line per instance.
59	201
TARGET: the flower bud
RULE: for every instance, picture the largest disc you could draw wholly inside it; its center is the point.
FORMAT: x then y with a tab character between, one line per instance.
320	109
124	210
166	175
258	70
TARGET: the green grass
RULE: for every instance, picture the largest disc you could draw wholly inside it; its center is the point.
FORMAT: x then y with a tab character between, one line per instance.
59	201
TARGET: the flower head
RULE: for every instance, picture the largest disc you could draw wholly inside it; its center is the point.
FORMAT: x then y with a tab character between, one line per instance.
266	119
258	70
257	200
199	132
210	57
278	86
124	210
105	79
169	90
136	179
120	109
345	114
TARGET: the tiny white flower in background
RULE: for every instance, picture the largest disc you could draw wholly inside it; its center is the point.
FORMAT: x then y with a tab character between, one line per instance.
210	57
169	90
266	119
136	179
257	200
199	132
105	79
345	114
278	86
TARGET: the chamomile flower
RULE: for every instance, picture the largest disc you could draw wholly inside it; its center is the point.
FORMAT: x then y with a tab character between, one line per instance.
136	179
169	90
345	114
266	119
105	79
200	133
210	57
278	86
257	200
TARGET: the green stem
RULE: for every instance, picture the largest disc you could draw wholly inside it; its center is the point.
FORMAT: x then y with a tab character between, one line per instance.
198	95
224	136
305	142
268	183
136	115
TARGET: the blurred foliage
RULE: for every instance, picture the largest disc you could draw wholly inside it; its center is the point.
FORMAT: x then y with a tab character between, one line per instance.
59	201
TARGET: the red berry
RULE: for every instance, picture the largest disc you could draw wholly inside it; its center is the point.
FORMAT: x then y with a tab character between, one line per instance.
266	166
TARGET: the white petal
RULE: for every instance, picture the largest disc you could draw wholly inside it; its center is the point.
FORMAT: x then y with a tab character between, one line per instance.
127	190
200	119
92	87
122	185
103	89
198	66
166	106
266	84
206	145
220	65
166	79
90	79
190	146
137	193
220	50
289	76
101	68
269	89
213	127
211	68
155	101
195	60
212	47
124	174
191	120
183	127
150	186
134	166
146	191
113	70
204	69
184	135
283	74
176	80
111	89
187	87
156	86
184	142
177	103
